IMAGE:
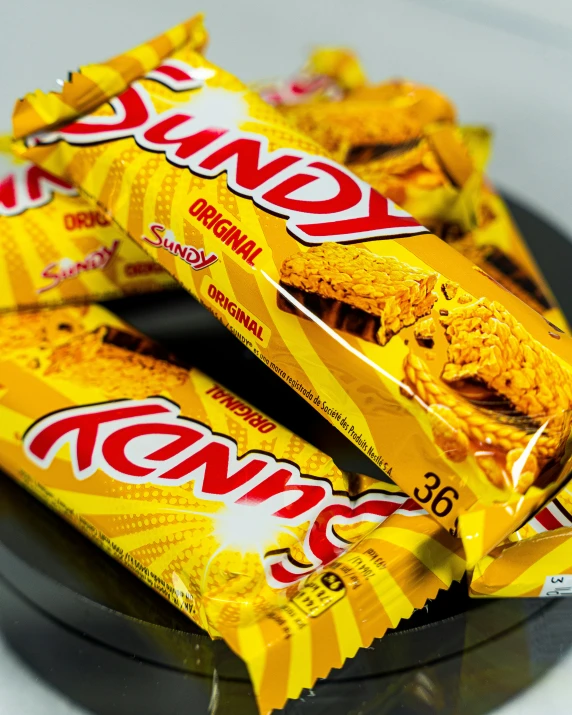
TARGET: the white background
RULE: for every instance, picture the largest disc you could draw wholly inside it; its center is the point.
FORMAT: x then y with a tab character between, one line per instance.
506	63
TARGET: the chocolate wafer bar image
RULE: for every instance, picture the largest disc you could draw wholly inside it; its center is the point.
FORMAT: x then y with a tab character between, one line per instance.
33	329
353	290
121	363
501	395
486	343
371	121
500	266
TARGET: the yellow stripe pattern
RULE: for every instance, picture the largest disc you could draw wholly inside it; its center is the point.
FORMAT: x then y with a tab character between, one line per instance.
180	543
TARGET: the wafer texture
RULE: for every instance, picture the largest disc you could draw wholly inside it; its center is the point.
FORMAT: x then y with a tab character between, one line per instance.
213	504
402	139
56	248
487	344
381	286
221	190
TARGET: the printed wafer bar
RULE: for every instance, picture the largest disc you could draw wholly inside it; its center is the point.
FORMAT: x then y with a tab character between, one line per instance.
193	166
370	118
418	157
119	354
487	344
509	273
240	524
352	289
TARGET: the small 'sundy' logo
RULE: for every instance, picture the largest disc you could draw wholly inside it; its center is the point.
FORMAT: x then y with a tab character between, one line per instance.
321	200
148	441
66	268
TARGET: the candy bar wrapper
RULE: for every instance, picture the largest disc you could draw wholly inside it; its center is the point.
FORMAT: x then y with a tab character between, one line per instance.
247	529
451	385
536	561
57	248
402	138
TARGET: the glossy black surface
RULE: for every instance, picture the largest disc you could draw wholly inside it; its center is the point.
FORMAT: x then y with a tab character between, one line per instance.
111	644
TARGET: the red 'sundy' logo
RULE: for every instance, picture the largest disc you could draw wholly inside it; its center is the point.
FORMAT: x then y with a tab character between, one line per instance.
148	441
65	268
321	200
28	186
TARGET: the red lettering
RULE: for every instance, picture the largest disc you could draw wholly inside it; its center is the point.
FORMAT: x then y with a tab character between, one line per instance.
156	229
218	479
256	420
245	249
179	76
47	434
38	180
323	547
188	145
197	207
230	402
52	273
250	167
118	439
253	256
181	251
348	195
309	495
377	219
114	447
132	270
174	73
130	112
8	192
266	428
215	219
235	239
221	227
249	174
207	214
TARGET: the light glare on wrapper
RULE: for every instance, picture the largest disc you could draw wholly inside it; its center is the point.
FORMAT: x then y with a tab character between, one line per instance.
454	387
243	526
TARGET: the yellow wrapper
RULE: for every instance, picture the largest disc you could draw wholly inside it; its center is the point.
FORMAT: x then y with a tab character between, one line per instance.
535	561
449	383
57	248
401	138
243	526
539	566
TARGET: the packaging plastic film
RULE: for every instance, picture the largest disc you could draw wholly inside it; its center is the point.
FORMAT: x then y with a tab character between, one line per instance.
535	561
402	138
454	387
56	248
243	526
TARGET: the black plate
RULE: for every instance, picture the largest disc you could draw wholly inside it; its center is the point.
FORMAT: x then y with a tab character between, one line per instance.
111	644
